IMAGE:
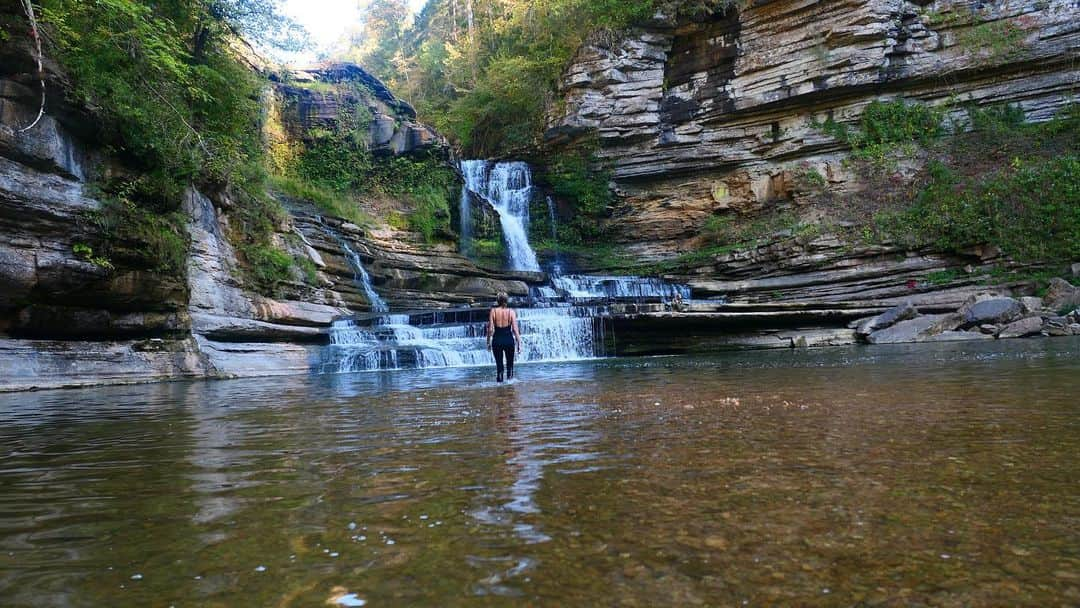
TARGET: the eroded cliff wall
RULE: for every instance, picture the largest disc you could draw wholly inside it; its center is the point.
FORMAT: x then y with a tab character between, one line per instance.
714	113
82	303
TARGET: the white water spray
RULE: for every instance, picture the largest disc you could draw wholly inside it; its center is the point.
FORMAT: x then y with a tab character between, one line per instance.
360	274
508	188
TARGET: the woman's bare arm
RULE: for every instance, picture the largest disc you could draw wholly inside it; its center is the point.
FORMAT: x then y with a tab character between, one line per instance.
517	332
490	330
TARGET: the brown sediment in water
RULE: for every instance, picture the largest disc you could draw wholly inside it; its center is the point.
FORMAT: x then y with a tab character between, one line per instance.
904	475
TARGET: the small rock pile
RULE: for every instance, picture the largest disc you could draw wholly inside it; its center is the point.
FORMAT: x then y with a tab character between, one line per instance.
982	317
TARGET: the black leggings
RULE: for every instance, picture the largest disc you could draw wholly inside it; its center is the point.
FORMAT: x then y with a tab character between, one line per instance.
500	352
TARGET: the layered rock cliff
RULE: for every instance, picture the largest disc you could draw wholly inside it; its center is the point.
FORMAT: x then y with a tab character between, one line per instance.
70	316
717	112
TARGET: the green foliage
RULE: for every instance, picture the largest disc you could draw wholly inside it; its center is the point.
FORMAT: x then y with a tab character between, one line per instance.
176	104
579	178
85	252
726	230
269	267
333	203
489	252
1030	209
171	96
996	39
811	179
884	126
702	8
944	277
484	72
334	168
307	269
136	236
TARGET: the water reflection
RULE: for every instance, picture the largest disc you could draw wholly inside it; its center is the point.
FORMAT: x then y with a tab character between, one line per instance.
929	475
541	429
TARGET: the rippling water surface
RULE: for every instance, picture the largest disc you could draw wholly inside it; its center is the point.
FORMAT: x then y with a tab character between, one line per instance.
943	475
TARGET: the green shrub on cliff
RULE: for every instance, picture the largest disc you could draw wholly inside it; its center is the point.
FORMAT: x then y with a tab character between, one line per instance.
579	178
171	95
1006	183
885	126
1031	210
334	169
174	101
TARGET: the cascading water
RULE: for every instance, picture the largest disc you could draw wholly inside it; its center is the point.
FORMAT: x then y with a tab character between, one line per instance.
599	287
507	186
569	326
456	339
360	274
468	168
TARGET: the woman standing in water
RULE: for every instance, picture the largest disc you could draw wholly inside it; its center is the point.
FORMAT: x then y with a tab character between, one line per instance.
503	336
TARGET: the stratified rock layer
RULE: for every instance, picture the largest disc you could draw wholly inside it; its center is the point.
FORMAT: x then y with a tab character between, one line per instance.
70	319
715	114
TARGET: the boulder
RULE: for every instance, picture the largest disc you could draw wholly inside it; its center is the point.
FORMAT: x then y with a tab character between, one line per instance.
886	319
1031	304
1062	295
989	328
994	310
1024	327
919	329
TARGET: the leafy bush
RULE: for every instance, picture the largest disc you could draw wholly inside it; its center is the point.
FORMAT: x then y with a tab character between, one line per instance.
1031	210
334	168
576	176
177	105
885	126
269	267
329	201
135	237
485	78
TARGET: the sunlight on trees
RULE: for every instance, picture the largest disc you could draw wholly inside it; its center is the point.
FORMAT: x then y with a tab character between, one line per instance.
483	71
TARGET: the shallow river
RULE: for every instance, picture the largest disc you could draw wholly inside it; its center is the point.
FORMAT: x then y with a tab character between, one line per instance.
941	475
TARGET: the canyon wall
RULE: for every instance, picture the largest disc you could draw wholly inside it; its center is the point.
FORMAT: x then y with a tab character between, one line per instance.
718	113
72	316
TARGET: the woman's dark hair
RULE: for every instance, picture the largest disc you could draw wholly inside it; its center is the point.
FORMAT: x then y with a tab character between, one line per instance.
502	298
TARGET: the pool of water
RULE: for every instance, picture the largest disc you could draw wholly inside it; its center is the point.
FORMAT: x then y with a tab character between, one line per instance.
937	475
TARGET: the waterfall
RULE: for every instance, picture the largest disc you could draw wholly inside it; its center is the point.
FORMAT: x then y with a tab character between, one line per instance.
551	217
473	172
360	274
456	339
599	287
507	186
569	326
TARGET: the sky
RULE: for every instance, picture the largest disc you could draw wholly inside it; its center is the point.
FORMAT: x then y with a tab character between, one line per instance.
327	20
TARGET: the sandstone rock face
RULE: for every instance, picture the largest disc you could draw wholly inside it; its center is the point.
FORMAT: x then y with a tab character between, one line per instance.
826	269
393	128
715	114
